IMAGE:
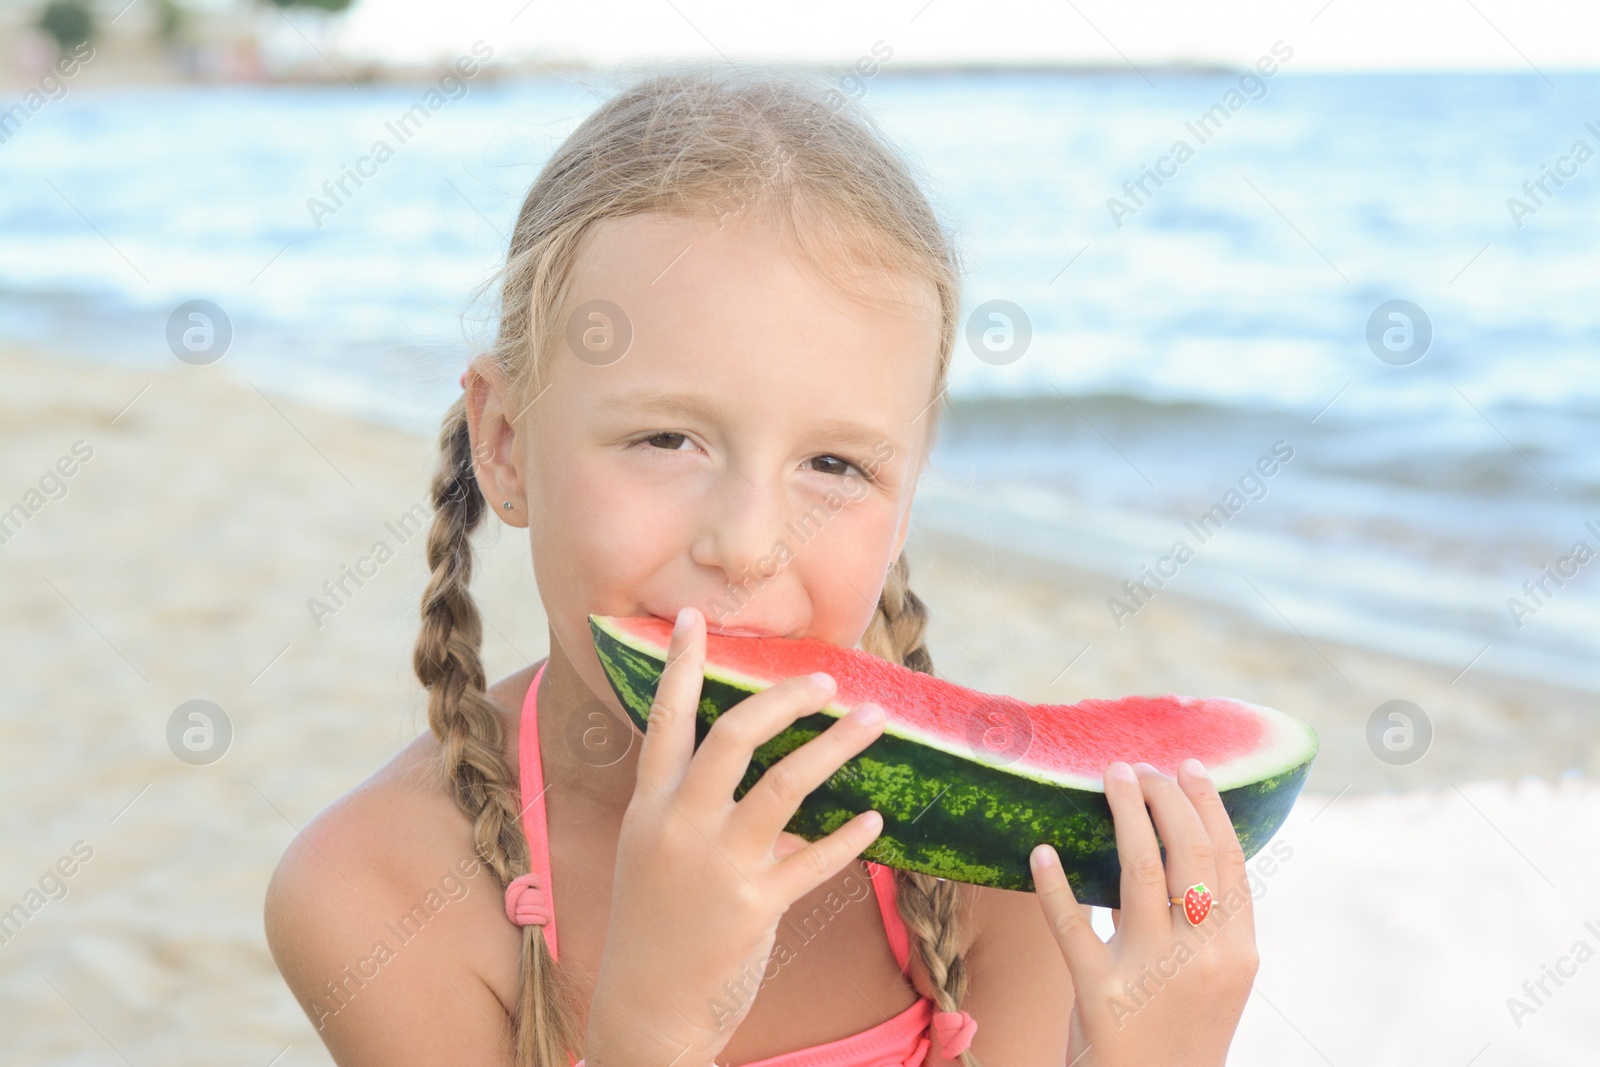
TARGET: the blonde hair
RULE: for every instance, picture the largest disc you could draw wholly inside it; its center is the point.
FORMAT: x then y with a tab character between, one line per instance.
693	143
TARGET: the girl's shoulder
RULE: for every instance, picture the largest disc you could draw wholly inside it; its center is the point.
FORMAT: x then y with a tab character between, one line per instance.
359	887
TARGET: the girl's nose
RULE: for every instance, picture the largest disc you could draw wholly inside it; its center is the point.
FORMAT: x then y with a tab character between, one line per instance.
746	529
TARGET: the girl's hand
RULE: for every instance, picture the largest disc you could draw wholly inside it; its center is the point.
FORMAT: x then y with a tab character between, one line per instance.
1160	991
701	881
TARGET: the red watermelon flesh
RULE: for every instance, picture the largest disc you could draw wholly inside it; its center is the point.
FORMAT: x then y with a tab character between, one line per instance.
968	782
1066	743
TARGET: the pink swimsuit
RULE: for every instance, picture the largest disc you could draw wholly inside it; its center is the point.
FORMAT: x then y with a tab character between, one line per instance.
900	1041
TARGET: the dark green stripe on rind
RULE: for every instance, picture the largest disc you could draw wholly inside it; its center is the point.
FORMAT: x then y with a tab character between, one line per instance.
944	814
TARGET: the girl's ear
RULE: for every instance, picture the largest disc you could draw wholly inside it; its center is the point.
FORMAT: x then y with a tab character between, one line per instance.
496	457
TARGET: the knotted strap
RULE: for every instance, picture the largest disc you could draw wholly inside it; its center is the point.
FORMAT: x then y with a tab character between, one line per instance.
955	1030
526	901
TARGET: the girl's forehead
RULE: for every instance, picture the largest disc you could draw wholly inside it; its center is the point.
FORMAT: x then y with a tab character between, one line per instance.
750	257
733	315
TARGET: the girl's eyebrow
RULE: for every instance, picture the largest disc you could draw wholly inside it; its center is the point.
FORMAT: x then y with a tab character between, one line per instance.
650	400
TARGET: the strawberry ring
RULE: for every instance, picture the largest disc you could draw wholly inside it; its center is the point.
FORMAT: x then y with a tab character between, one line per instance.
1196	901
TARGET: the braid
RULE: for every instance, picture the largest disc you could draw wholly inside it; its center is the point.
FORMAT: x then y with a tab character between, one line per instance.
928	905
471	737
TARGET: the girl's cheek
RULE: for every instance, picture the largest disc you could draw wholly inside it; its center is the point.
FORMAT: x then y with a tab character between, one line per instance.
853	529
619	527
847	557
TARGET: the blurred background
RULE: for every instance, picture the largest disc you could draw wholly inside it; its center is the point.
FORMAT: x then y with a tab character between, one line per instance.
1347	240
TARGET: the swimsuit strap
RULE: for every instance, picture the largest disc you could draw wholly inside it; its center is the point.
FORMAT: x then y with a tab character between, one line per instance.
894	926
532	896
954	1029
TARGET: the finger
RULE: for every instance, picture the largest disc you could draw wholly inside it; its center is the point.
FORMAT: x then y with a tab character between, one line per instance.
1144	881
769	805
1086	955
669	730
724	756
1232	877
1189	850
796	875
1116	918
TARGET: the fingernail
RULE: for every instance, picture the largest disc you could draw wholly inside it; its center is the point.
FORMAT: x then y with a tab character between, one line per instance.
823	678
868	714
1122	772
1196	768
682	622
1042	857
1141	766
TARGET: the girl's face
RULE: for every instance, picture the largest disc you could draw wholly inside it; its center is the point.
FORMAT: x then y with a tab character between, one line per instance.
753	452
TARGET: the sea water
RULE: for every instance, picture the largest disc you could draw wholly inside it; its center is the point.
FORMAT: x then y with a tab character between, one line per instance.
1153	321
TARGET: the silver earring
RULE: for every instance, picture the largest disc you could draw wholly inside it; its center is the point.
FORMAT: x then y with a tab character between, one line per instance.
507	505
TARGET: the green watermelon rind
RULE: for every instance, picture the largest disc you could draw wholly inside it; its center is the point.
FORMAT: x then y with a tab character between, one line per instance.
928	796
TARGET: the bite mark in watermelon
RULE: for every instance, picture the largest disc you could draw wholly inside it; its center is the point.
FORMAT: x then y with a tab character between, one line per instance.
969	782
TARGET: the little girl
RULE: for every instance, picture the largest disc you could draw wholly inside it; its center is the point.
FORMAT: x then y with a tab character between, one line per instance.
726	324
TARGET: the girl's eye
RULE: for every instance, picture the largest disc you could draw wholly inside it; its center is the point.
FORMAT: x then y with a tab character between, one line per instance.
660	436
842	466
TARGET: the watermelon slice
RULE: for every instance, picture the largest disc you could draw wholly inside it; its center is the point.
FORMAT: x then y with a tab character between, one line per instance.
968	782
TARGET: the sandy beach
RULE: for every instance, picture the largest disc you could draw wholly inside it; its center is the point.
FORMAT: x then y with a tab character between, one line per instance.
1417	907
